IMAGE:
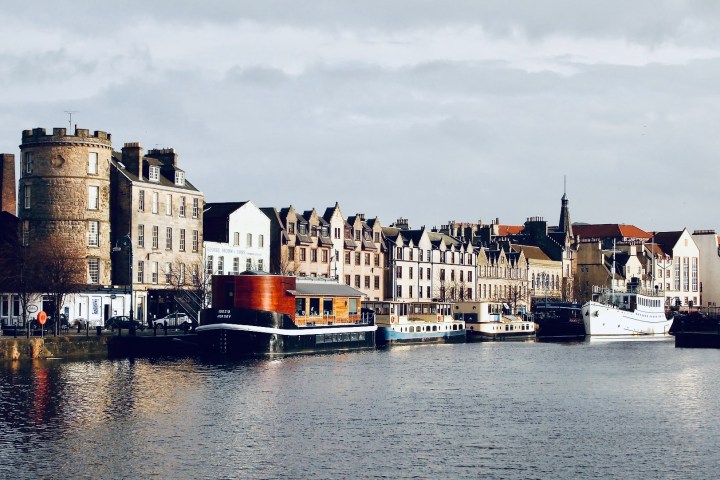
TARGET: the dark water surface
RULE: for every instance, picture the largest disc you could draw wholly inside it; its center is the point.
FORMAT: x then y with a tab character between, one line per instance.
482	410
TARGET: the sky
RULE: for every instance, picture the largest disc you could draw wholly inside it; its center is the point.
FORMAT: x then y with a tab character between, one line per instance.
427	110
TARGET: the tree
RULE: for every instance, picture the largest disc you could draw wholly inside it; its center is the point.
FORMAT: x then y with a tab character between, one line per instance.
61	272
515	294
19	275
287	266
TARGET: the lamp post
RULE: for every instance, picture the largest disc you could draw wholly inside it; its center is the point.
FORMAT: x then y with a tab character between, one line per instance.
126	242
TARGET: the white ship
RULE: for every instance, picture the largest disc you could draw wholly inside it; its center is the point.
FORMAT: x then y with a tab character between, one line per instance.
635	312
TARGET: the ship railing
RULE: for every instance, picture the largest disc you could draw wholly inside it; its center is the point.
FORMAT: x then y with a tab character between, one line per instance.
607	292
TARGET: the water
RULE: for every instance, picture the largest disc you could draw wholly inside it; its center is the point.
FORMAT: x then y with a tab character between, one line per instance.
481	410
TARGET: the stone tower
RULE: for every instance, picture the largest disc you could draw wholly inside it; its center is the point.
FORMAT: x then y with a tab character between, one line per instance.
7	183
64	194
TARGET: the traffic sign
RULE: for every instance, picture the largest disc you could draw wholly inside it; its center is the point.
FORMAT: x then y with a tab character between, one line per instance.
42	317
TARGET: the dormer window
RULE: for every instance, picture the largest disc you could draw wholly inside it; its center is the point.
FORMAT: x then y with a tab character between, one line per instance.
180	178
154	173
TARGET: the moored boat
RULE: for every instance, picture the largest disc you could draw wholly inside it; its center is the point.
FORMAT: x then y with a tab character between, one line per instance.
558	319
633	312
485	320
416	322
265	314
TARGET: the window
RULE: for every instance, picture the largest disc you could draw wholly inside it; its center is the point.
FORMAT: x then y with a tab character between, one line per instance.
357	281
399	272
313	255
428	292
93	197
141	236
28	160
196	207
347	258
179	178
168	238
291	228
398	291
221	265
336	233
236	265
367	259
260	265
357	258
377	282
154	206
469	276
140	271
410	274
248	264
695	274
155	234
195	241
291	253
347	279
181	275
26	196
181	210
261	241
93	163
141	200
367	281
302	254
168	273
154	173
25	233
325	256
209	265
154	272
236	238
249	240
93	234
93	270
410	291
168	204
686	274
182	239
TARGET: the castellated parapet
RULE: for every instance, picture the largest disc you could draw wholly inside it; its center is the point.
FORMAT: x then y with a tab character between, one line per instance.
61	177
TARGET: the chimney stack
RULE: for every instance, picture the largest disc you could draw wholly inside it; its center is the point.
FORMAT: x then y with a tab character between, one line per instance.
8	190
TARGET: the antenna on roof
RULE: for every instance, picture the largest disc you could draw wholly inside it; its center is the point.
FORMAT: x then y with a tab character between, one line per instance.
70	112
564	184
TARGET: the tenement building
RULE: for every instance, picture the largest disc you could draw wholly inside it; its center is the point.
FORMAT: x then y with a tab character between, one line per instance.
161	213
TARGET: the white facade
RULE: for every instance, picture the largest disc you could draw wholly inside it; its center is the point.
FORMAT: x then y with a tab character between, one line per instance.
248	246
677	273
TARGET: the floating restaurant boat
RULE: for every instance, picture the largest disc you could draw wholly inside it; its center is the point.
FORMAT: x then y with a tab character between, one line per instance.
558	319
416	322
633	312
255	313
486	321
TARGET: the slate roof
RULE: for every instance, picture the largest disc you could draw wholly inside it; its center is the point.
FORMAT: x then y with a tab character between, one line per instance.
609	230
163	181
216	220
531	252
666	240
330	289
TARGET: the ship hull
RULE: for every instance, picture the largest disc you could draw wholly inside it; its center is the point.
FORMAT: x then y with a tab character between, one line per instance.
390	336
601	319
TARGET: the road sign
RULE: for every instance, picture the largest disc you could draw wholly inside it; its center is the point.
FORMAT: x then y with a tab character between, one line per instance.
32	308
42	317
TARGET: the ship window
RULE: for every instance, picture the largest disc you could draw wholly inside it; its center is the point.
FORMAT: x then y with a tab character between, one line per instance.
300	307
314	306
327	306
353	306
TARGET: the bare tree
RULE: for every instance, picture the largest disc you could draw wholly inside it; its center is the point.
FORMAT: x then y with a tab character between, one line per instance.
287	266
19	273
515	294
60	272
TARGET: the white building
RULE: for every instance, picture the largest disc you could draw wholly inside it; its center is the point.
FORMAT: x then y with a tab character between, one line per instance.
676	267
236	238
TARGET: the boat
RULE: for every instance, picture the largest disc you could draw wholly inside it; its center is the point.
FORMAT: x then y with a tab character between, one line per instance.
486	320
636	311
558	319
261	314
415	322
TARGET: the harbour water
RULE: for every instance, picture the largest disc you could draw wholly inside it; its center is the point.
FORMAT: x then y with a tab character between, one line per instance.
478	410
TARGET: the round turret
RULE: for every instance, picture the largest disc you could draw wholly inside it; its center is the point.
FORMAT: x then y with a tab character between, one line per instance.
64	195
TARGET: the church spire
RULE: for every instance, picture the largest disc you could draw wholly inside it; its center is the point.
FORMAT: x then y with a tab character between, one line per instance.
565	225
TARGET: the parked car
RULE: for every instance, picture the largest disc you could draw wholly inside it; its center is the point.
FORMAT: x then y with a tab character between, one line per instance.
123	321
176	319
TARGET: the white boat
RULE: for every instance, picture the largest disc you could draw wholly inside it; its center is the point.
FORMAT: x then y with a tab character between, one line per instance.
486	321
415	322
634	312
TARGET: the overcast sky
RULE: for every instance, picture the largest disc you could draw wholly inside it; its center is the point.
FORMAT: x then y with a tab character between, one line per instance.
428	110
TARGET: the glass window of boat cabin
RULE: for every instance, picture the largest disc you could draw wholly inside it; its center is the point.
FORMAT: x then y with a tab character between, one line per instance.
314	306
352	306
327	306
300	307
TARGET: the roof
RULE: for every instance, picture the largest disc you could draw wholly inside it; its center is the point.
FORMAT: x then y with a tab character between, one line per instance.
611	230
163	181
666	240
531	252
504	230
215	221
326	288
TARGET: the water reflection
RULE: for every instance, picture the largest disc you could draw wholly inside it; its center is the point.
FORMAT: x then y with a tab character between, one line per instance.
450	411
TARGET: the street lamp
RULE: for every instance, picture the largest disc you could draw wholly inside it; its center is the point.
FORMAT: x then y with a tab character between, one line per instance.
121	243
